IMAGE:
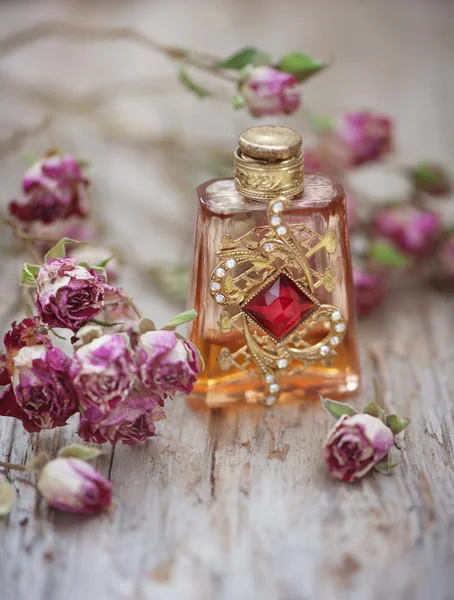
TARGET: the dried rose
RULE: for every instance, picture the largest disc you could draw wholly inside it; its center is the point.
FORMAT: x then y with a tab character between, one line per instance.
355	445
10	408
54	188
68	295
370	290
167	364
431	178
410	229
28	332
132	422
103	374
42	386
72	485
360	137
267	92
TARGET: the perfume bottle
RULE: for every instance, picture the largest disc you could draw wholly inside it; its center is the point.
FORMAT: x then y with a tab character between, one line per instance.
272	279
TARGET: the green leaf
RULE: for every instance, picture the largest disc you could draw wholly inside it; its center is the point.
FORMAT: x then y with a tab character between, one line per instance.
245	56
321	123
374	410
396	423
238	101
337	409
191	85
302	66
103	263
385	467
38	462
78	451
6	498
384	253
59	250
184	317
83	164
29	274
431	178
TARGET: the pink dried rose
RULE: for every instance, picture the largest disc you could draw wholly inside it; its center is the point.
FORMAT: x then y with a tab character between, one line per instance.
412	230
370	290
103	374
361	137
267	92
72	485
28	332
167	364
68	295
54	188
42	387
132	422
355	445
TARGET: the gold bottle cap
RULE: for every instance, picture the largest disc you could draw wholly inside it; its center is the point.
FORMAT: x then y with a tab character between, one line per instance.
270	142
269	162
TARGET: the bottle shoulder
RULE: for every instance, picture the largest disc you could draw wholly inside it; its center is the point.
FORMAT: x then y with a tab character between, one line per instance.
221	197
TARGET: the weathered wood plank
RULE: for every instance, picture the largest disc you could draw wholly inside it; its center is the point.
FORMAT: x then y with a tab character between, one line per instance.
238	504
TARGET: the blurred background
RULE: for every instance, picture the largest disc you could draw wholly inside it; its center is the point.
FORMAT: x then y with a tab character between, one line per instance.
118	103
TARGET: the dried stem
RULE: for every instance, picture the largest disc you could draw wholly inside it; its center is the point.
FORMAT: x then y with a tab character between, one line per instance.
81	33
8	465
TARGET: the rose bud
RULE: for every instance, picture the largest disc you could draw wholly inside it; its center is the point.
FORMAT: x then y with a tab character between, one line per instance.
360	137
68	295
72	485
355	445
103	374
166	363
132	422
94	255
370	290
267	92
54	188
412	230
42	385
431	178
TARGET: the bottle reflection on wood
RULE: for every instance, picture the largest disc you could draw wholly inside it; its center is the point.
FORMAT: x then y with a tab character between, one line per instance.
272	281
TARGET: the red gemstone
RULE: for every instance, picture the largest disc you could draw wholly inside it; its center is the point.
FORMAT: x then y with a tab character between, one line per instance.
280	307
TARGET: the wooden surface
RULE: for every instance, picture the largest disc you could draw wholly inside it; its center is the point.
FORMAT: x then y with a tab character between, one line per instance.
236	505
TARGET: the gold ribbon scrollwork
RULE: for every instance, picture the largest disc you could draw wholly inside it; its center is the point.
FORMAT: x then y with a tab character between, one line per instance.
247	266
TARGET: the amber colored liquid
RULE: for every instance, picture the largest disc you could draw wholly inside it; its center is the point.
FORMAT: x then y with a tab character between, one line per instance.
318	209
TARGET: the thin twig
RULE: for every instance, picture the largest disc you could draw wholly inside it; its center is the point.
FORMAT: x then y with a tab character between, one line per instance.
7	465
81	33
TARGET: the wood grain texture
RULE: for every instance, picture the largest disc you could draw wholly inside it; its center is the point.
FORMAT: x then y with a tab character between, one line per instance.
237	504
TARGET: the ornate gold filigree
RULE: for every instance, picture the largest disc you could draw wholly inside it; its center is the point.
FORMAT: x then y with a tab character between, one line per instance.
246	267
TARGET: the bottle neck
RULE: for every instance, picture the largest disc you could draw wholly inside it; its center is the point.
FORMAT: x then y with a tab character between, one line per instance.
264	180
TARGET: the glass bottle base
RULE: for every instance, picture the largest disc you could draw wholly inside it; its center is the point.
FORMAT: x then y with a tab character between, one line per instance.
294	389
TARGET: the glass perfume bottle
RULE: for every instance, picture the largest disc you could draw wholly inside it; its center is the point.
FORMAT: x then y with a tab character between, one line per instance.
272	279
